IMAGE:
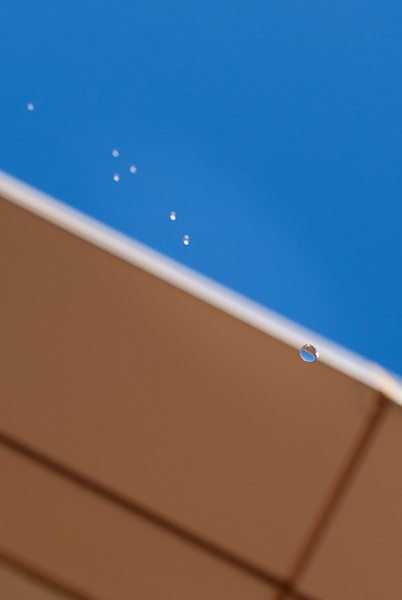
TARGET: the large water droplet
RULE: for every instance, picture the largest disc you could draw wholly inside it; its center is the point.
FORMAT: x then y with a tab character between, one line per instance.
172	216
133	169
30	106
116	177
309	353
186	240
115	152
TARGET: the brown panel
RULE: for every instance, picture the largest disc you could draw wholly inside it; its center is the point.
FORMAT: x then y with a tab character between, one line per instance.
172	402
15	586
88	543
360	557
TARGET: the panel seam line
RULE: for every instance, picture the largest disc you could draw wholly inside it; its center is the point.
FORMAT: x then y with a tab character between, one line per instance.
361	444
131	506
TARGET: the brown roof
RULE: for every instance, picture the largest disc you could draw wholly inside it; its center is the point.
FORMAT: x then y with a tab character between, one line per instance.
161	436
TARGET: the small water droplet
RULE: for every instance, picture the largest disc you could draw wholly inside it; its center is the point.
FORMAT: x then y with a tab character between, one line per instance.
30	106
133	169
116	177
115	152
186	240
309	353
172	216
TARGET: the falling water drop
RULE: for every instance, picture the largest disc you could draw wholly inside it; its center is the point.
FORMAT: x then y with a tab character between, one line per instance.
116	177
30	106
133	169
115	152
186	240
308	353
172	216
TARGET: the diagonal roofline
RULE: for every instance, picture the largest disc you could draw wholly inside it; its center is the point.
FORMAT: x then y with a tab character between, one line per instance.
200	286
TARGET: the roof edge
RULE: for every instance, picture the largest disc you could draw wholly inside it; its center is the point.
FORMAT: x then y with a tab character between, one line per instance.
200	286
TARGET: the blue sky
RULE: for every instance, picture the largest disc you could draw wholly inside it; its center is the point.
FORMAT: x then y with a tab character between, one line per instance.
273	129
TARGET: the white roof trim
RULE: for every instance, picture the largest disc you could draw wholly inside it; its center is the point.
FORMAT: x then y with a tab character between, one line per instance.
335	356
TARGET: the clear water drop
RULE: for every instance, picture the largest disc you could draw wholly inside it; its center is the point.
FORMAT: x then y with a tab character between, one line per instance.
133	169
116	177
30	106
186	240
115	152
308	353
172	216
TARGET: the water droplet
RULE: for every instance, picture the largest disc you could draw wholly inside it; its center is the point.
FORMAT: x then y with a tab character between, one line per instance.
309	353
116	177
30	106
172	216
115	152
186	240
133	169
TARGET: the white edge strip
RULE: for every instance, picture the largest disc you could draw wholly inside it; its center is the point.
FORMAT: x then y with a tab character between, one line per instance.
334	355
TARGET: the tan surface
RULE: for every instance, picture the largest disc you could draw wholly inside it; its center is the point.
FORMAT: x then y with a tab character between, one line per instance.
14	586
107	553
139	385
361	555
